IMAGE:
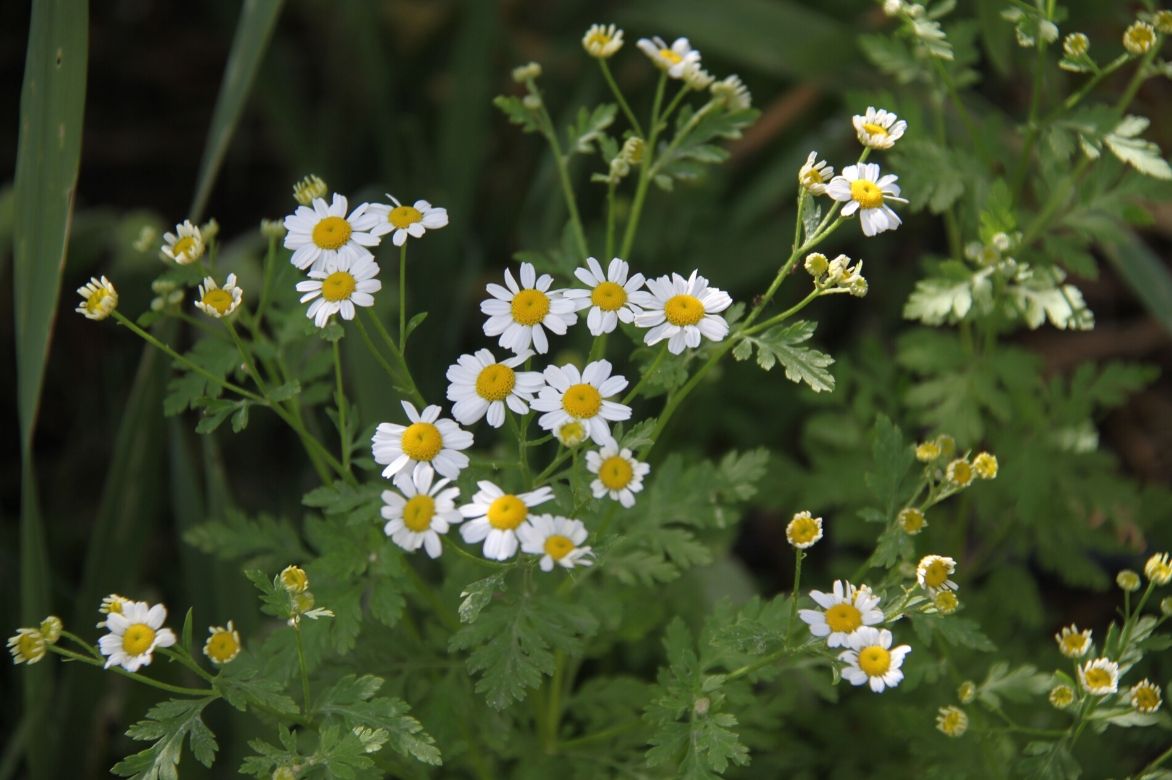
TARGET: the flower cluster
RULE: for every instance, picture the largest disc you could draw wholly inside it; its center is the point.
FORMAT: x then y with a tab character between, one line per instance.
848	618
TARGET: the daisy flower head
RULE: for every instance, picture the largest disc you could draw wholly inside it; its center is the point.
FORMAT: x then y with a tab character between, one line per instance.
1139	38
185	245
608	295
403	221
135	633
813	176
558	540
844	610
952	721
866	192
1145	697
617	473
872	660
696	78
1162	20
427	443
911	520
494	517
681	311
733	92
112	604
343	282
959	472
99	299
1128	580
933	574
480	386
216	301
674	59
294	579
985	465
804	530
602	41
946	602
51	628
878	128
422	511
1099	676
223	644
310	189
573	396
27	646
1061	696
1073	643
318	233
519	313
1158	569
927	451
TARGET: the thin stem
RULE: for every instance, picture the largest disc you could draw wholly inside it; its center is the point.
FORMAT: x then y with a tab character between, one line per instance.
403	373
1076	97
1033	125
673	105
85	659
441	610
403	298
304	669
560	162
791	311
553	710
634	391
183	658
644	172
610	218
614	87
793	610
765	660
1156	762
451	545
597	348
265	290
604	735
246	356
520	429
340	399
558	460
82	643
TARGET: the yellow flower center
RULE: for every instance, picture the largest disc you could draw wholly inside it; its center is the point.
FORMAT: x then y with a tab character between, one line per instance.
615	472
115	607
331	233
220	300
404	216
1140	37
581	401
844	618
422	441
338	286
417	513
294	579
874	660
874	129
530	307
671	56
683	310
597	39
1072	644
609	296
558	546
962	473
222	647
94	303
495	382
803	530
812	176
182	246
911	520
1147	698
507	512
31	645
1097	678
137	639
572	433
867	193
935	574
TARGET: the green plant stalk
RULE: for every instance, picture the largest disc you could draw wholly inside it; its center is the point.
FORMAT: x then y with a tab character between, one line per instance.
793	609
179	689
401	373
610	218
644	172
343	428
1076	97
634	391
187	661
604	735
1033	127
684	132
266	288
304	670
597	348
618	93
403	298
673	105
560	162
446	616
553	710
520	429
451	545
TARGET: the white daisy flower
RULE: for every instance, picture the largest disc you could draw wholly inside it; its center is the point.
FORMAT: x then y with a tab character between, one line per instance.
494	517
620	476
878	128
319	233
27	646
413	220
1145	696
733	92
674	59
223	644
427	443
1099	677
1073	643
184	246
844	611
608	296
216	301
99	299
697	78
346	281
681	310
804	530
872	659
519	313
572	396
814	175
602	41
864	191
135	632
557	540
480	385
933	573
421	512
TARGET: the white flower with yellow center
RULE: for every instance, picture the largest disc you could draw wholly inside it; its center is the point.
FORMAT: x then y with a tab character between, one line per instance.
804	530
1099	677
878	128
223	644
608	296
346	281
99	299
872	660
519	313
1073	643
480	385
1158	569
681	310
959	472
416	517
135	632
494	517
674	59
844	611
319	233
952	721
216	301
602	41
558	540
866	192
184	246
911	520
1145	697
618	474
814	175
570	396
933	574
27	646
414	220
733	92
697	78
427	443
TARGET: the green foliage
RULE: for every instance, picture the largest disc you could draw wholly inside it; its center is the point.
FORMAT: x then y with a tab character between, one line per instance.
694	145
781	344
352	702
589	128
169	724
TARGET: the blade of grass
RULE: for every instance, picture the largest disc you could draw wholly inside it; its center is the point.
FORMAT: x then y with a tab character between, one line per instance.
257	19
1145	274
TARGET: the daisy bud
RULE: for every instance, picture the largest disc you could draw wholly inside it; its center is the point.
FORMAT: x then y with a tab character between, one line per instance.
524	73
531	102
952	721
1163	22
309	188
892	7
733	92
223	644
147	236
272	228
27	646
1145	697
210	230
1127	580
602	41
927	451
1166	606
51	628
966	692
985	464
1061	696
1048	31
1139	38
701	706
946	602
817	264
911	520
1076	45
99	299
947	445
632	150
571	434
858	286
185	245
1159	569
294	579
697	78
959	473
804	530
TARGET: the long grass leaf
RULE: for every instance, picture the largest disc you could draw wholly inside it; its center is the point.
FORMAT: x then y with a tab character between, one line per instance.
1144	272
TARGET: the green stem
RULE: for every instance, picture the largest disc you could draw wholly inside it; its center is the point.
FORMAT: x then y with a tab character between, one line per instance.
634	391
785	315
614	88
401	374
553	711
793	610
340	400
604	735
765	660
246	356
597	348
451	545
446	616
266	288
1033	125
1076	97
85	659
1156	762
183	658
644	172
673	105
93	651
403	298
520	428
610	219
560	162
558	460
304	669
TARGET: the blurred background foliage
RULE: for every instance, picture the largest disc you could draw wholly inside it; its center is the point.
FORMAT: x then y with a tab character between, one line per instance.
395	96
